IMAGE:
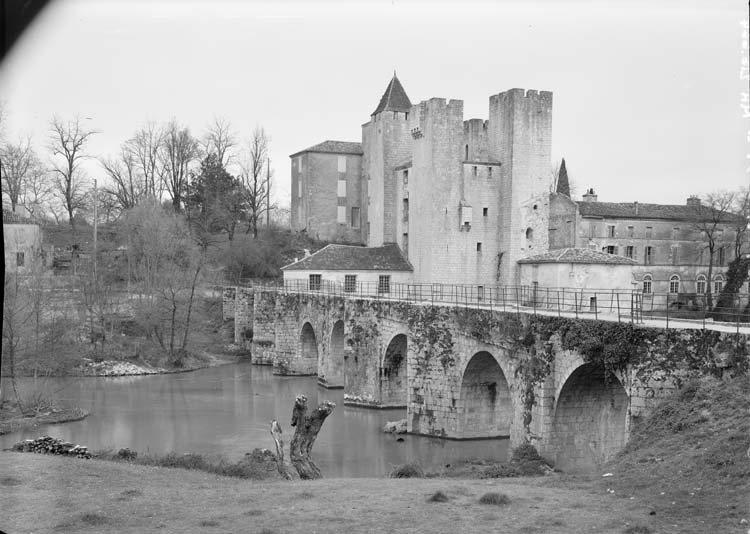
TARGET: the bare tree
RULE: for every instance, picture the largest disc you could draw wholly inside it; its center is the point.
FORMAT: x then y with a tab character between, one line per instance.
221	141
178	151
253	179
145	147
18	162
741	209
37	193
67	141
127	185
710	217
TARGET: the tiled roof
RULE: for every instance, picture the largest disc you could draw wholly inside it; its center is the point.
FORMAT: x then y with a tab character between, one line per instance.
334	147
394	98
578	255
353	258
637	210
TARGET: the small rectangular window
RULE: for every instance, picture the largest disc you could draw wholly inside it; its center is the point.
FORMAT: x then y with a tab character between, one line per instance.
20	259
648	256
611	230
479	247
406	178
631	231
405	209
355	217
721	256
629	250
675	232
675	255
610	249
341	214
384	283
484	211
342	163
350	283
489	172
474	170
649	232
315	281
342	188
405	244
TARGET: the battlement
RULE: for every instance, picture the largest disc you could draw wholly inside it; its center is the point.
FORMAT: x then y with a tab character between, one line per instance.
516	94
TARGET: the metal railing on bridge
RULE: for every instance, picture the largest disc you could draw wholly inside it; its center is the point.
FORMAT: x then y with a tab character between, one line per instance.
606	304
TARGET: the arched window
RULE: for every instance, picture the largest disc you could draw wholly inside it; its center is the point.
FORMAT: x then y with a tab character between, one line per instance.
700	284
718	283
674	284
647	279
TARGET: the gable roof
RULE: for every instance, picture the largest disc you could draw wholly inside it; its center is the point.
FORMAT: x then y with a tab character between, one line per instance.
353	258
578	255
333	147
394	98
637	210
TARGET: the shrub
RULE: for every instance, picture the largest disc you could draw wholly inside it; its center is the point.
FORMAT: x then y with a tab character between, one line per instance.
498	499
408	470
438	496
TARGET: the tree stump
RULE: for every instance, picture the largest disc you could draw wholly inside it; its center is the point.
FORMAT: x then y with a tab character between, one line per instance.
281	463
306	430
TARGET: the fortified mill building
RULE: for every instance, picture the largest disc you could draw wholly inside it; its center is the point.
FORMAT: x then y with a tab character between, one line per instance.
463	200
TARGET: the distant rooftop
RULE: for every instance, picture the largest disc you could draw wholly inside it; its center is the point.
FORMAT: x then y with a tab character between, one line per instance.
578	255
394	98
334	147
353	258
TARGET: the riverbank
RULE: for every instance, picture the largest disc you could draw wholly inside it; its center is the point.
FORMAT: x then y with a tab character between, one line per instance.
192	362
47	493
13	420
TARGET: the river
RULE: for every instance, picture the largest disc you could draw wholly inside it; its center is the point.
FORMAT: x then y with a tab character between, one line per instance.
227	410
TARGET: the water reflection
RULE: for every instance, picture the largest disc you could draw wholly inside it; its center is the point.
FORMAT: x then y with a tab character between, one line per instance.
227	410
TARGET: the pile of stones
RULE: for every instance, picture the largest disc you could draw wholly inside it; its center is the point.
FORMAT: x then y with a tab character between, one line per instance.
49	445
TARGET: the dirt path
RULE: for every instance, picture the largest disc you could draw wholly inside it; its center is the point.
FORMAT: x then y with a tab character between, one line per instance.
55	494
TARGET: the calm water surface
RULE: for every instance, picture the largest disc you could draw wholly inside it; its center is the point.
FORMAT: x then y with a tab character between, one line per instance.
227	410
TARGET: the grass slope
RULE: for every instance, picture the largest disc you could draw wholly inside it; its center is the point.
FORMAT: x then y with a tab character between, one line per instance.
691	457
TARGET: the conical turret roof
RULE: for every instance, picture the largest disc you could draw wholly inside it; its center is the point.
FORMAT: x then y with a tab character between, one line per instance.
394	98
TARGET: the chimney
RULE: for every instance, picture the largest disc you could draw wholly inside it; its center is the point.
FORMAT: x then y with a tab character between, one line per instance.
590	196
635	205
693	201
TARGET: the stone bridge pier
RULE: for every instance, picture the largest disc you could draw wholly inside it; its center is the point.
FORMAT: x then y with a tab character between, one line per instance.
464	373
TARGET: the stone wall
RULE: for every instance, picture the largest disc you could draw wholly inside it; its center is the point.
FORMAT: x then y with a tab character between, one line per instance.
227	303
243	316
264	328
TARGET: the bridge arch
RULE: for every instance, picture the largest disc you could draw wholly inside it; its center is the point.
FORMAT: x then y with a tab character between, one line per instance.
308	343
393	382
484	406
590	419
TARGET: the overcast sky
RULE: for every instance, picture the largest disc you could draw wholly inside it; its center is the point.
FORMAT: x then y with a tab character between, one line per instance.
647	94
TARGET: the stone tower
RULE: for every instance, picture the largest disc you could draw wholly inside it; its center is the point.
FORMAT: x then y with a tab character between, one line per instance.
520	137
385	143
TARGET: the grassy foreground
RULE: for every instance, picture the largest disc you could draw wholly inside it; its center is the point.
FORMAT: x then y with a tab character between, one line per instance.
56	494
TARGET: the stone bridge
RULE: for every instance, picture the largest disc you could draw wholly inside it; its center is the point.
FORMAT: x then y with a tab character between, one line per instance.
573	387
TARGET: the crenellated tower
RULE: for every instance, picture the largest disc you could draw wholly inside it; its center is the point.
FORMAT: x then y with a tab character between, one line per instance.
520	137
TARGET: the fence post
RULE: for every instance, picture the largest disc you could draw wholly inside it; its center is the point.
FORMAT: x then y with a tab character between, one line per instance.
596	307
575	300
558	303
667	311
618	307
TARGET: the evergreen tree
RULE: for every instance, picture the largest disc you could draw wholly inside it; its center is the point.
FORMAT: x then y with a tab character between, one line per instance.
563	185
